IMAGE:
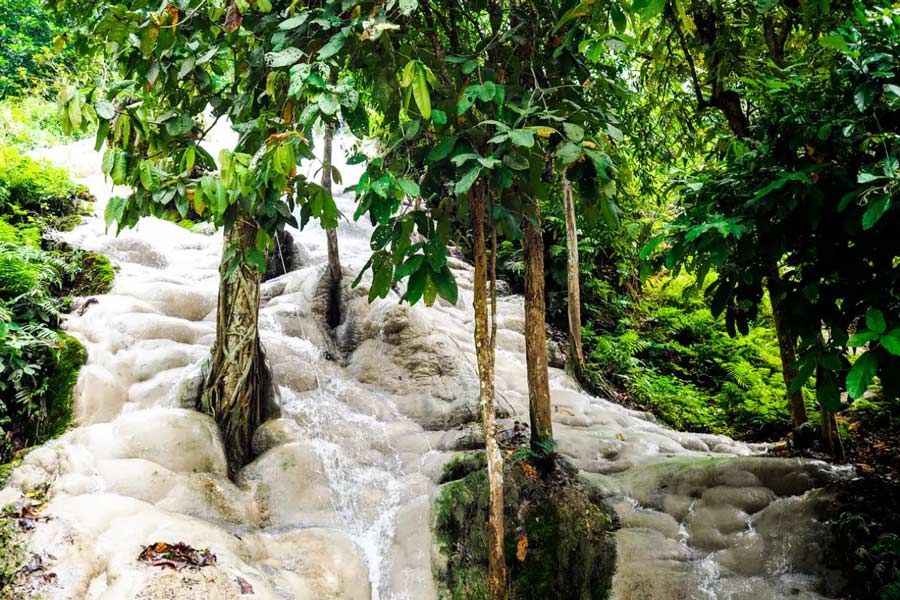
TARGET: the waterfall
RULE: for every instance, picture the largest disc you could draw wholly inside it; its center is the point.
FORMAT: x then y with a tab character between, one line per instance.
338	502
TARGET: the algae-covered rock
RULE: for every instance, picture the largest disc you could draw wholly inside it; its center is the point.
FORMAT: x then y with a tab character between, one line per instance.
558	533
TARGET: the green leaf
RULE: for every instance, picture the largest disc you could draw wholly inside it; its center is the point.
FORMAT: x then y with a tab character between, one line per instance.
828	394
446	285
875	210
861	338
439	117
875	320
430	294
115	208
256	258
861	374
618	17
120	166
416	286
294	22
407	74
409	187
410	266
465	184
104	109
868	177
568	153
648	9
333	46
443	149
574	132
836	41
420	92
149	175
891	343
522	137
285	58
109	159
381	281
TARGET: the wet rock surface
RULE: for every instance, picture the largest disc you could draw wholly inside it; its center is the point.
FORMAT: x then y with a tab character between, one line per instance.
349	473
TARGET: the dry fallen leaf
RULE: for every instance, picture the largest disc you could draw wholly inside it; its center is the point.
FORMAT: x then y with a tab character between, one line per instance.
176	556
244	586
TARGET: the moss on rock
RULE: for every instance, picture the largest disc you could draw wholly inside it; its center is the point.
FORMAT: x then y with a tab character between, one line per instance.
93	274
12	555
60	401
558	534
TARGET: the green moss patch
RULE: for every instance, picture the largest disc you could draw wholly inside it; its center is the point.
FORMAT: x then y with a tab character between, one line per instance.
558	534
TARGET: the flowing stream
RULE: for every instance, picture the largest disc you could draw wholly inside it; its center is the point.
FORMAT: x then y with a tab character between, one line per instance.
338	502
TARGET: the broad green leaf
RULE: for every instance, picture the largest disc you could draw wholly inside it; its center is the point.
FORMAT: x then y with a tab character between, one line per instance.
120	166
891	343
861	374
430	293
876	208
568	153
861	338
522	137
868	177
836	41
409	266
256	258
828	394
574	132
149	175
648	9
875	320
333	46
104	109
416	285
439	117
115	208
285	58
465	184
443	149
294	22
446	284
409	187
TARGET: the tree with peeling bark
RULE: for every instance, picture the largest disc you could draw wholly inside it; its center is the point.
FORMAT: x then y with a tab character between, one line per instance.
265	69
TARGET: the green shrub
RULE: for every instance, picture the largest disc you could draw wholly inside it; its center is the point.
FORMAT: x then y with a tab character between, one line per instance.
673	357
32	189
32	122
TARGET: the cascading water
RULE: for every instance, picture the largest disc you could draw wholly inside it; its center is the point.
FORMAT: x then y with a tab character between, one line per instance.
338	502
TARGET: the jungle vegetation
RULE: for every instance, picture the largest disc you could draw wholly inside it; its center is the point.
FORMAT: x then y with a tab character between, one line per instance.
694	197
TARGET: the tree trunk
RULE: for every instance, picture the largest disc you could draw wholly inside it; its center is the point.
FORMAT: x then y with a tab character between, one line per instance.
573	269
334	258
536	336
831	437
787	346
233	394
485	353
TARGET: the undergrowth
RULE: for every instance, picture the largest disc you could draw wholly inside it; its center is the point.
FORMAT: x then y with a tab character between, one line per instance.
39	363
670	355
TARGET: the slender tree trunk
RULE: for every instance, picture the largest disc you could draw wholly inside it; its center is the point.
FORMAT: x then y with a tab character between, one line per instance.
536	336
573	269
831	436
334	257
485	353
787	346
234	392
